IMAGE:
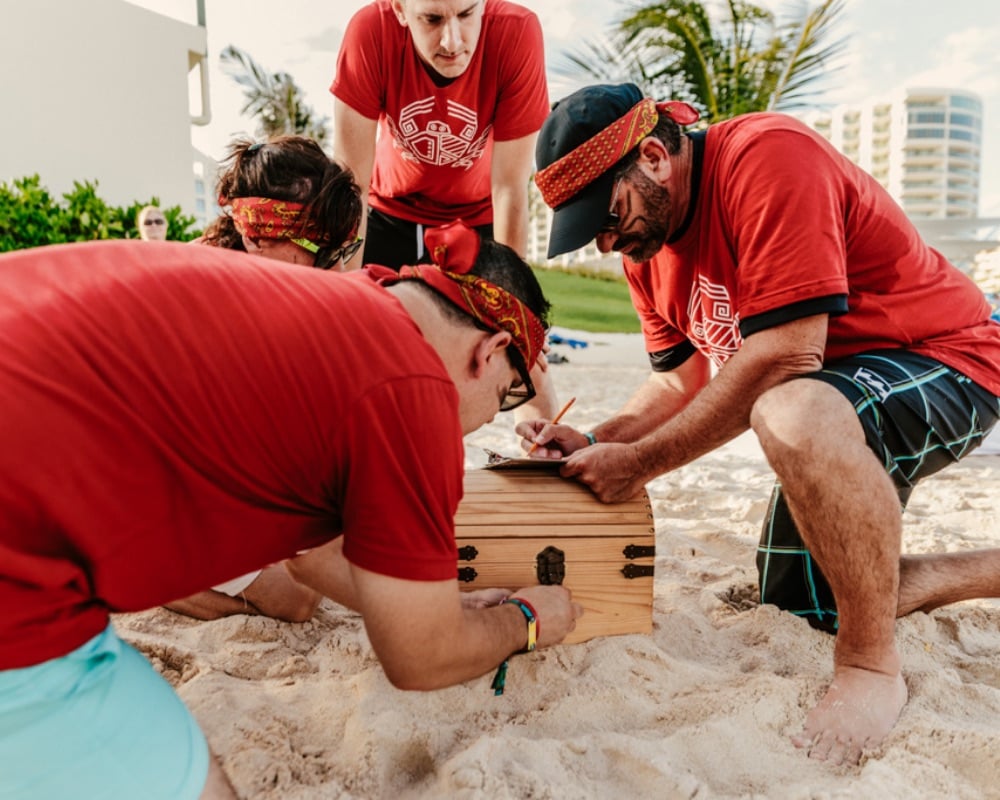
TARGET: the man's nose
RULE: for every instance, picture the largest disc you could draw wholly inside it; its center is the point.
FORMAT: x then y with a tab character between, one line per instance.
605	241
451	36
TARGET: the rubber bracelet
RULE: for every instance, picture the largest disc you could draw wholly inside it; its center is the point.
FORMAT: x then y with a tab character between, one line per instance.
500	679
591	439
531	617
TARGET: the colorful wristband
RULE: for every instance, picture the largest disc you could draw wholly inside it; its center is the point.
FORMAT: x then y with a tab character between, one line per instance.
500	679
532	617
591	439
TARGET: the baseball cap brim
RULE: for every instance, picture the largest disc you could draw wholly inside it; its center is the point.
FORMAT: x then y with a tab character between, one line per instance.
578	221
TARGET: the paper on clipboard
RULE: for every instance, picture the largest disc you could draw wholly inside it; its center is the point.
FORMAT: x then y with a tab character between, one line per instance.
499	461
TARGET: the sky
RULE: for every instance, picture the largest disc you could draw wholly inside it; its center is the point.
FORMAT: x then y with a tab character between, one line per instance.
890	44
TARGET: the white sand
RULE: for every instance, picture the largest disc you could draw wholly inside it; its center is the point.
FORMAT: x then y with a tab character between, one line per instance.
702	708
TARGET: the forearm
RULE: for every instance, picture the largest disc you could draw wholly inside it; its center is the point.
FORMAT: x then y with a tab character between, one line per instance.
651	406
325	570
721	410
510	217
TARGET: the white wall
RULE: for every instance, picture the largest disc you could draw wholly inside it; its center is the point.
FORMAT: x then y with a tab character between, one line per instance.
98	90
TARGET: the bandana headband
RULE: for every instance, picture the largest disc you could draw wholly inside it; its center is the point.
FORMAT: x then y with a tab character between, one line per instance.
563	179
454	249
266	218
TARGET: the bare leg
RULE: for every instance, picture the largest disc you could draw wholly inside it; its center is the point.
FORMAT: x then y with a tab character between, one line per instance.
217	785
930	581
847	510
273	593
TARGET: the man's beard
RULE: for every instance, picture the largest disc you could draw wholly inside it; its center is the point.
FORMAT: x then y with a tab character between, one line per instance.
649	227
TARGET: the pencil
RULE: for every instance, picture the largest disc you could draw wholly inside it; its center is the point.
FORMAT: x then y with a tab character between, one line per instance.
557	417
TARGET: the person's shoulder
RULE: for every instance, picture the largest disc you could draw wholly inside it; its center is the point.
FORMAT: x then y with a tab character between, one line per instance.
375	16
761	129
504	12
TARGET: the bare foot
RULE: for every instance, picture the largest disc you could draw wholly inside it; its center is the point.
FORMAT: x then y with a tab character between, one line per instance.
857	711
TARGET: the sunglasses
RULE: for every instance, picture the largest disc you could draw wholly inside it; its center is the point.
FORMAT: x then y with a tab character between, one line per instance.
154	222
343	252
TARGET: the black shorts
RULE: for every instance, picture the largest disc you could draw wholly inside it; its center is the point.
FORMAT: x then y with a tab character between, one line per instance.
393	242
918	416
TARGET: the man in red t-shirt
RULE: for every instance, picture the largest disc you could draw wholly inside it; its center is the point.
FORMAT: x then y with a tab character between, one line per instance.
456	91
862	360
171	417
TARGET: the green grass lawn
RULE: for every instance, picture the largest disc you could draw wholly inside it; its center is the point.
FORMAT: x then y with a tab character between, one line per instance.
584	303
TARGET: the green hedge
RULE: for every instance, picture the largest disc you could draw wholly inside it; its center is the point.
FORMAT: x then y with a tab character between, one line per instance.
30	216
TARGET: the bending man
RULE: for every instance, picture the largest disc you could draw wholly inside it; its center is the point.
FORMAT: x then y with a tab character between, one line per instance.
862	360
174	416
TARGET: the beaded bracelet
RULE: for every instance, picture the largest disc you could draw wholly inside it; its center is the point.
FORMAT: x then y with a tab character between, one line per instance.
500	679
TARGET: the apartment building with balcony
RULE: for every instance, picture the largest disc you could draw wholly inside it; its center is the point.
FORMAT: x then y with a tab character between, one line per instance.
924	145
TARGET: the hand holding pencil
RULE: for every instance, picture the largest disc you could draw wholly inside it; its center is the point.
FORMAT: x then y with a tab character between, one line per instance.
556	419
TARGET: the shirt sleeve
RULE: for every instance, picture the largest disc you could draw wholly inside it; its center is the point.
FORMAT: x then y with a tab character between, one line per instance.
523	102
789	232
404	480
359	78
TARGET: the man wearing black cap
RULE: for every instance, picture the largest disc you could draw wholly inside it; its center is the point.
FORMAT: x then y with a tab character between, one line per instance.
861	359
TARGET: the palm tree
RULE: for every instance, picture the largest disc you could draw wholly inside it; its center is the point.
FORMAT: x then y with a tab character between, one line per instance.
748	62
274	99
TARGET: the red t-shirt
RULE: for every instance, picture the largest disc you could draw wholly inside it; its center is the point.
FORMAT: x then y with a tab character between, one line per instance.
173	416
783	227
433	154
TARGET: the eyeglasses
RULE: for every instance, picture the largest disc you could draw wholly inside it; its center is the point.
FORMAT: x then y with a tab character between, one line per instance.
344	252
517	395
154	222
613	220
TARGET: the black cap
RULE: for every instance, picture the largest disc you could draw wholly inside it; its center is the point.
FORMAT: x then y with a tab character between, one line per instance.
572	121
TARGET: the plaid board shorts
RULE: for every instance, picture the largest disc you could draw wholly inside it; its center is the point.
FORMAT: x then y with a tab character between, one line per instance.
918	416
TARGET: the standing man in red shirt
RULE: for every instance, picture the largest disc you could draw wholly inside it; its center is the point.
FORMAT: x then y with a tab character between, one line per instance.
862	360
456	91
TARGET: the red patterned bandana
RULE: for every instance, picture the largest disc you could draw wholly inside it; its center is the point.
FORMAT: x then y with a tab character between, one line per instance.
563	179
264	218
454	249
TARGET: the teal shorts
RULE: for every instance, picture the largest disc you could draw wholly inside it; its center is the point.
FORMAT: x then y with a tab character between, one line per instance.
99	722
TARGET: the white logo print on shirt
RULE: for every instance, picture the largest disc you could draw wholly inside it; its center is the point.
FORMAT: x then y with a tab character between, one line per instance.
713	326
441	142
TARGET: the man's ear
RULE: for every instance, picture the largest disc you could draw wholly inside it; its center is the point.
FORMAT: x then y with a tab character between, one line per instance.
488	347
654	159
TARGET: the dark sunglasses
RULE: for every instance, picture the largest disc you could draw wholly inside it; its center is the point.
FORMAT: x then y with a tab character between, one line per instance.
154	222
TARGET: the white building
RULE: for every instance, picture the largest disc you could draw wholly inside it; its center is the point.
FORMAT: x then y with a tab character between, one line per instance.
922	144
105	91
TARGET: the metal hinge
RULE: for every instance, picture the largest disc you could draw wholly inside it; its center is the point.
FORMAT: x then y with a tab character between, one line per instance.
467	574
631	571
639	551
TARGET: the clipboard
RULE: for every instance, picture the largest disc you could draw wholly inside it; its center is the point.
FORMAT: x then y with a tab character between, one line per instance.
498	461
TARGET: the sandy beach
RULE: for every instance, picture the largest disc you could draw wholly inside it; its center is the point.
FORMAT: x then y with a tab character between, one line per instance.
701	708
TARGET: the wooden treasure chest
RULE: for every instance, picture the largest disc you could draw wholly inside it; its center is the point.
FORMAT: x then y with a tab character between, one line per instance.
521	527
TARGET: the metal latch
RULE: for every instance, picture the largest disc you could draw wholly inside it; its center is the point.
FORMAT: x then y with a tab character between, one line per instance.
550	566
